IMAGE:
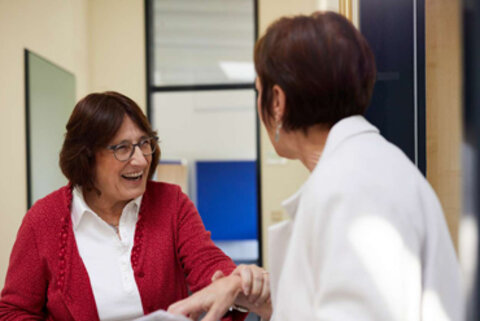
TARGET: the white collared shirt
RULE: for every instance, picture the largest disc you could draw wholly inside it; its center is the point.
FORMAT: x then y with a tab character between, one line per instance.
106	257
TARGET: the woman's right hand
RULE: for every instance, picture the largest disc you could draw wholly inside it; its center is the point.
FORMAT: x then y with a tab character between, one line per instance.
214	299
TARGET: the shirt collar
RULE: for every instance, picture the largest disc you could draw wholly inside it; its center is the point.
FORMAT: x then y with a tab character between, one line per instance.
341	131
80	207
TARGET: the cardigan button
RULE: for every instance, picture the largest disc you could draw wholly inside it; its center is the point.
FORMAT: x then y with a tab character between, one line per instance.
140	274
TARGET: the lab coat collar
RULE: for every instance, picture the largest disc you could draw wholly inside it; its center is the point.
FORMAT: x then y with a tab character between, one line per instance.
341	131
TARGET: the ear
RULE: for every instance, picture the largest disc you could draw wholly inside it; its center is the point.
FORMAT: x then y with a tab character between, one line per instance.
279	101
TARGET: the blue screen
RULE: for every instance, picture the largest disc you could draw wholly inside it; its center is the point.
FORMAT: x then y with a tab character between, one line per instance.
227	198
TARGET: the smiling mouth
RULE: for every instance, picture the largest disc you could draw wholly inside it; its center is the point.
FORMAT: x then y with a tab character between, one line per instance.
133	176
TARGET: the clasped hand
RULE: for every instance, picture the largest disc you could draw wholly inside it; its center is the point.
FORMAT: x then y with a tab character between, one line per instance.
248	286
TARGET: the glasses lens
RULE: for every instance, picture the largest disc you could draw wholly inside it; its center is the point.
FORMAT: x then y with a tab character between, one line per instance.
122	152
147	146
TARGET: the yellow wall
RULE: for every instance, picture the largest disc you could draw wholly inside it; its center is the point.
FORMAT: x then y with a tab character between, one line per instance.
443	49
117	42
100	41
60	38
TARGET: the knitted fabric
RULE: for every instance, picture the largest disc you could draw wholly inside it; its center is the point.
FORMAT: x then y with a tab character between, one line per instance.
172	253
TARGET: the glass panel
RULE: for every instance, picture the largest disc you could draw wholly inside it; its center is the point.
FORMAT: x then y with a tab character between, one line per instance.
202	42
206	125
51	97
214	132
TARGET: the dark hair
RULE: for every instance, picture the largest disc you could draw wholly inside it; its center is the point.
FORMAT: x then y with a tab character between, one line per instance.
322	63
94	122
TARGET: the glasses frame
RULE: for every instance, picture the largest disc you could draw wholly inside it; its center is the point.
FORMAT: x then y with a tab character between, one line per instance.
153	143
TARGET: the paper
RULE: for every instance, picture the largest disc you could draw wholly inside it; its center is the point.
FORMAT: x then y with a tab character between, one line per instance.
162	315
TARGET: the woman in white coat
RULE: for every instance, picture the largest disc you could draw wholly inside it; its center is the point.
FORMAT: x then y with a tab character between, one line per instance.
366	238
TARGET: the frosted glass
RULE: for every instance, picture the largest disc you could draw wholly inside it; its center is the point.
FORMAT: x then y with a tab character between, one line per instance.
202	42
51	98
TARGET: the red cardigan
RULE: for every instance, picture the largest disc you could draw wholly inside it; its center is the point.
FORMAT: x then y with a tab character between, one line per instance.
172	253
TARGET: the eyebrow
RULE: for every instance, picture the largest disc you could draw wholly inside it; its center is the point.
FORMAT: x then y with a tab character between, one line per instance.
128	141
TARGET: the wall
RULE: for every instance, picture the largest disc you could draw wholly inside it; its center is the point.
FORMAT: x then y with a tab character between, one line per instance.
117	47
443	25
60	38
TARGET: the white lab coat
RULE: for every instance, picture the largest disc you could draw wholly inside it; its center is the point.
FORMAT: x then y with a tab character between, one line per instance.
366	239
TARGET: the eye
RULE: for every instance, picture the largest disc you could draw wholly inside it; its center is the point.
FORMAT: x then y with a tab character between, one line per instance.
144	142
122	148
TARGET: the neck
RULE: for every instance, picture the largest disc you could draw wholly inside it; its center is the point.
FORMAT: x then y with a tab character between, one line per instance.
109	211
310	145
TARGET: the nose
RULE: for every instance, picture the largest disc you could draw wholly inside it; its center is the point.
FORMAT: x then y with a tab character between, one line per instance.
138	158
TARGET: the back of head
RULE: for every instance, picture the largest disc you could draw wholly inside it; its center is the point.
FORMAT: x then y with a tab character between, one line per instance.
322	63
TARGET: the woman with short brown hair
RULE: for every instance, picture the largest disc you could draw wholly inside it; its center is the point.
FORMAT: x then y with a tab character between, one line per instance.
366	238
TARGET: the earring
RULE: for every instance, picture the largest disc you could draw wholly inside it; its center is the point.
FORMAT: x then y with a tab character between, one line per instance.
277	132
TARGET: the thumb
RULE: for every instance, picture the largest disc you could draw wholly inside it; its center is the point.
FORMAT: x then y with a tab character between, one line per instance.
217	275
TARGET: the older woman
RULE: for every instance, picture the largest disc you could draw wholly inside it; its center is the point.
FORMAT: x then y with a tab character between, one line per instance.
366	239
111	245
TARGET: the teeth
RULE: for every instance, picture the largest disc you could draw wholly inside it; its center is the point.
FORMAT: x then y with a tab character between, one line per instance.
131	175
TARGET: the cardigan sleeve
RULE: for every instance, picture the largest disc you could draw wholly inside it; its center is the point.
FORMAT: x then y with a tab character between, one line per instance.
24	294
199	256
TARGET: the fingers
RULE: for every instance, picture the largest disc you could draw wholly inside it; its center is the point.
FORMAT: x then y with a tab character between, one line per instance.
216	312
190	307
265	294
217	275
215	298
257	283
247	280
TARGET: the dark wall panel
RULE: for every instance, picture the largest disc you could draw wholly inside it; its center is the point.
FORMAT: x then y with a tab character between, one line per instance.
389	27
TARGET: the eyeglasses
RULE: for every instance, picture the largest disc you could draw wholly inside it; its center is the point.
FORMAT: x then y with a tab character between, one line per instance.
124	151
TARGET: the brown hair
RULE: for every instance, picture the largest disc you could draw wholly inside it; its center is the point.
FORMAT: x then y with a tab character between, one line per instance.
94	122
322	63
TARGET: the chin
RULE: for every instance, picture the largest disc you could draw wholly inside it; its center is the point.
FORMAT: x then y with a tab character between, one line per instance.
283	152
132	193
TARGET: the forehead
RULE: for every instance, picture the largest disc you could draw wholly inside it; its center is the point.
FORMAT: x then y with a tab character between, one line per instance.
129	130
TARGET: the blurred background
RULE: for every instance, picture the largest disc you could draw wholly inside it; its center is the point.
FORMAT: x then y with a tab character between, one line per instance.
188	64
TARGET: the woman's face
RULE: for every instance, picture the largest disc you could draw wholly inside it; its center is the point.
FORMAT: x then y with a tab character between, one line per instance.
122	181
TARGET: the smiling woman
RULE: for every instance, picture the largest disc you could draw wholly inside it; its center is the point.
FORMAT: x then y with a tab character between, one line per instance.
69	264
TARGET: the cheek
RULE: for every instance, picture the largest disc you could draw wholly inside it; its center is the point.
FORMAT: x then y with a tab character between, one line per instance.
106	172
259	109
